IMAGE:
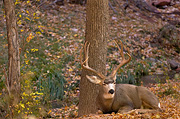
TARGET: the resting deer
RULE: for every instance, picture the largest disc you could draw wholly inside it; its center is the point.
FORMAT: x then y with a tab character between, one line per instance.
121	98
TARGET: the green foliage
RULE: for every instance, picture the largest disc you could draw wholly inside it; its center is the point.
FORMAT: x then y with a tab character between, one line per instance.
141	70
169	89
42	61
126	78
52	81
132	76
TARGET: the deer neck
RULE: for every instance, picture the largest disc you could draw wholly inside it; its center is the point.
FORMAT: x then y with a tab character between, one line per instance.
104	103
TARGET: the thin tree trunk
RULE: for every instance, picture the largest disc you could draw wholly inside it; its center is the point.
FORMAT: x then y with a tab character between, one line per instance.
13	80
97	20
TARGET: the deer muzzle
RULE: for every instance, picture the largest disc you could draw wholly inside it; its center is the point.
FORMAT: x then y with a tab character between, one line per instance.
111	91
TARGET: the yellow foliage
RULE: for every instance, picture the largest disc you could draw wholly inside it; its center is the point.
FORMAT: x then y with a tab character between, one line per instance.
28	18
38	33
31	99
28	39
27	11
25	56
22	105
34	50
17	2
19	22
27	61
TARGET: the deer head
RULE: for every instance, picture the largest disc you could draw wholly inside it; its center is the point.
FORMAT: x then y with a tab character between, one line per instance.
107	83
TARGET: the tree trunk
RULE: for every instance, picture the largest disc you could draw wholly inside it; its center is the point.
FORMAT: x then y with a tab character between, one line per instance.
13	80
97	20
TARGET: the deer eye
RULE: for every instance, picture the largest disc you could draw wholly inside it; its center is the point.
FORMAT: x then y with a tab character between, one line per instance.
104	84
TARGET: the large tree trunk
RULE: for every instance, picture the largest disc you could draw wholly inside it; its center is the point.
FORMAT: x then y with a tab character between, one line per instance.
97	20
13	80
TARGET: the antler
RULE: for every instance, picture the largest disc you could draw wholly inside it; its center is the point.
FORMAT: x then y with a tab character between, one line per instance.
84	64
124	61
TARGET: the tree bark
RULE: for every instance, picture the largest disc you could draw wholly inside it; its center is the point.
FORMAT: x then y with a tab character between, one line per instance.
97	20
13	80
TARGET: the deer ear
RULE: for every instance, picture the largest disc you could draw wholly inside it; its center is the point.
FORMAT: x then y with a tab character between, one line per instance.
94	79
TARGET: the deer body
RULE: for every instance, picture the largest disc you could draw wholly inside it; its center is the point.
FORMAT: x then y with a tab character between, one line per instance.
127	97
120	98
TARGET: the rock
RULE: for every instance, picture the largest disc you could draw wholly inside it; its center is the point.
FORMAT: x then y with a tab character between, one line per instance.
173	64
169	35
153	79
59	2
161	3
178	70
149	80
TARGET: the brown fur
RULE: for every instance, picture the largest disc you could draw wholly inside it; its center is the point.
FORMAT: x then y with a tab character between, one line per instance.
128	97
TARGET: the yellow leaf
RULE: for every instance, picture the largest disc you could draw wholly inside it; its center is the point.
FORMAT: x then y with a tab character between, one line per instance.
22	105
157	116
28	39
65	108
34	14
28	1
75	35
25	55
71	69
27	61
28	18
49	111
143	57
19	22
38	33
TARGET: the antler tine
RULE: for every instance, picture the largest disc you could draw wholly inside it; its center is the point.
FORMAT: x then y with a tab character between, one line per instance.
86	52
84	64
124	61
86	58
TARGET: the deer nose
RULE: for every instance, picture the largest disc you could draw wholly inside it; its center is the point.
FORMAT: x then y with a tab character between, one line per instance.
111	91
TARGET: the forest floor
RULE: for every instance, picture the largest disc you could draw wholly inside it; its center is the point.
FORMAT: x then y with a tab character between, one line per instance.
168	94
59	33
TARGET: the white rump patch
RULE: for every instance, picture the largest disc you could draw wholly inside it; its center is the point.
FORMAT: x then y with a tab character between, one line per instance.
159	105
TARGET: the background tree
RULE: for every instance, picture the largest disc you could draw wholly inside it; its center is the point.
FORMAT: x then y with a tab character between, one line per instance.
13	79
96	34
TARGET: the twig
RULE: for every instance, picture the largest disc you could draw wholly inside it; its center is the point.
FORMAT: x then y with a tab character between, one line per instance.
42	3
7	81
112	8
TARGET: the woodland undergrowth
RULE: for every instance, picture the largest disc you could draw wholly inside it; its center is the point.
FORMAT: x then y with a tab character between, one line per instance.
51	37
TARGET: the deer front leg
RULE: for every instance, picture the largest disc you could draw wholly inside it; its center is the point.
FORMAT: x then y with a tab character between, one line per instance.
99	112
140	111
125	109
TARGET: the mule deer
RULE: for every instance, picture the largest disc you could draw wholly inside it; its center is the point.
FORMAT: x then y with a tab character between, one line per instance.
121	98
